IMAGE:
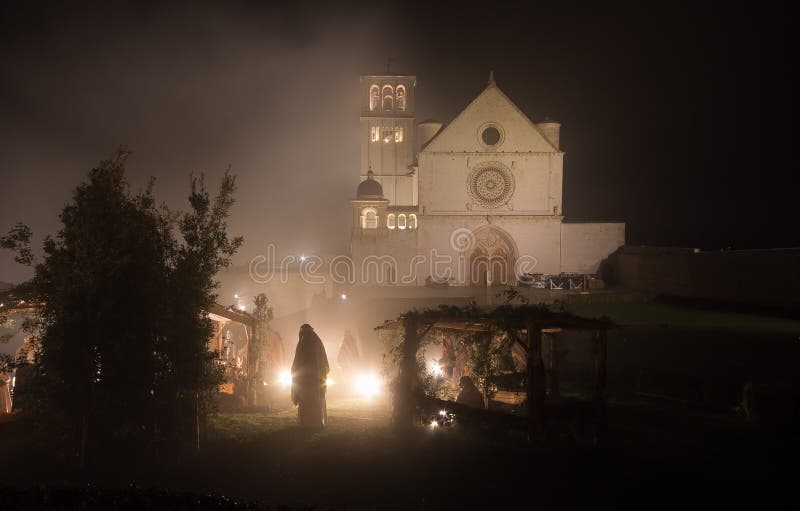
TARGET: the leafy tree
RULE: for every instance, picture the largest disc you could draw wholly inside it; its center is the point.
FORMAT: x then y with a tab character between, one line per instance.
119	327
257	357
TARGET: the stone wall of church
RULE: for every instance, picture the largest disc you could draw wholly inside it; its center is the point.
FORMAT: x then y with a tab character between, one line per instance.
585	245
441	238
383	257
444	182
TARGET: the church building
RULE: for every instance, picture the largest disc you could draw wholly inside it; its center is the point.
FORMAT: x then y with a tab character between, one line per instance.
477	201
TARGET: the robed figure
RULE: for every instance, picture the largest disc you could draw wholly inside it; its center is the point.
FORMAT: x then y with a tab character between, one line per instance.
348	353
309	374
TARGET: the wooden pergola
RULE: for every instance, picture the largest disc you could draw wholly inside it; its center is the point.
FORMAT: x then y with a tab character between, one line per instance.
531	322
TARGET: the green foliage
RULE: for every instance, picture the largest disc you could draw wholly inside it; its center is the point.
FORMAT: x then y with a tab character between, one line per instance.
18	240
488	344
119	329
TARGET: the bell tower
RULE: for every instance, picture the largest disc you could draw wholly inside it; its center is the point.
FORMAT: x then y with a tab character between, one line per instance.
387	135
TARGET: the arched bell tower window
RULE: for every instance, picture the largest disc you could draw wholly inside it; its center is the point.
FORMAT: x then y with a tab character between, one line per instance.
369	218
391	221
401	98
388	97
412	221
374	97
401	221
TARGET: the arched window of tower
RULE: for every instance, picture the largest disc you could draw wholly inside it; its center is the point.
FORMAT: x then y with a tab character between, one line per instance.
401	97
401	221
388	97
392	134
412	221
369	218
374	97
391	221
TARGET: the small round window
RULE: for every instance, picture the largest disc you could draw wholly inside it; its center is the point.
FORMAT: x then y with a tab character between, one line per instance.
491	136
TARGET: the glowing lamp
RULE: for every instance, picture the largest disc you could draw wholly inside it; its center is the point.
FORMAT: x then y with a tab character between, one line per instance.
285	378
436	370
368	385
328	382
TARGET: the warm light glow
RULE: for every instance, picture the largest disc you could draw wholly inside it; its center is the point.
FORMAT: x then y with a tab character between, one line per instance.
236	295
328	382
442	413
241	307
368	385
436	370
302	258
285	378
434	424
344	296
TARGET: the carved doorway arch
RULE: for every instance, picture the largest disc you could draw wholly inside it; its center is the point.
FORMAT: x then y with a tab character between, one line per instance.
492	257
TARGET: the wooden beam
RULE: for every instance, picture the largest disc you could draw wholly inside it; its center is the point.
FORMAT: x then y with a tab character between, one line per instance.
536	383
601	359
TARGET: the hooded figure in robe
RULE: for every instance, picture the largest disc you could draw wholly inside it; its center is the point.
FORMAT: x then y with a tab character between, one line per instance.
348	353
309	374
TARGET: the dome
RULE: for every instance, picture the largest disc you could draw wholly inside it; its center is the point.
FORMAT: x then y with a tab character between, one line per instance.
369	188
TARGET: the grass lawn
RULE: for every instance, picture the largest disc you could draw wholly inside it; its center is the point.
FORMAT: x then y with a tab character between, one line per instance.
687	318
654	455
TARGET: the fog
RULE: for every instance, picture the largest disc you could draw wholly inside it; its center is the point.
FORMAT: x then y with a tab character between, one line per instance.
649	103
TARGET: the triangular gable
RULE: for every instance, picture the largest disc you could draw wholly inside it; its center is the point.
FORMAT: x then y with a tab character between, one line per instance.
491	106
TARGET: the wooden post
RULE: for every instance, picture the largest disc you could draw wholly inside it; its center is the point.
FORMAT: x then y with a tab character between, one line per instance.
551	366
601	377
404	400
536	383
601	358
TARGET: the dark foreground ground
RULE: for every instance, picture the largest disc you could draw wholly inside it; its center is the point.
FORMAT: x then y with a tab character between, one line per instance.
657	455
675	440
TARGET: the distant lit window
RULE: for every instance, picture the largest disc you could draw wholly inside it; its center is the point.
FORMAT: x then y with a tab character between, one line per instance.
391	134
391	221
401	221
375	133
374	97
412	221
401	97
369	219
388	97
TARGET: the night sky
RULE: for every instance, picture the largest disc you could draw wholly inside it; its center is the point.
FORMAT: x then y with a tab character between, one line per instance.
673	120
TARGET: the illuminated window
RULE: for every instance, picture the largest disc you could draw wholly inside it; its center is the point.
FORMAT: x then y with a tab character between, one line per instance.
388	97
401	221
375	133
369	218
391	134
374	97
390	221
412	221
401	97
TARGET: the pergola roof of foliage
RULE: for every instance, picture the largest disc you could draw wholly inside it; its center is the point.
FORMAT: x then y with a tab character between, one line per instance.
505	317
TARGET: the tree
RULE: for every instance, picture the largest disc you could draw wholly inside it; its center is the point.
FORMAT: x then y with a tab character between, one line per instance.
257	348
119	326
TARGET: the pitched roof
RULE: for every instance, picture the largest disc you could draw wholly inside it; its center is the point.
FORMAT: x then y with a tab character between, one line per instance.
491	89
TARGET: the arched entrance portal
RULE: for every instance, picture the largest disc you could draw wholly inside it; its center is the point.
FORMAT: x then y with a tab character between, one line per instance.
491	261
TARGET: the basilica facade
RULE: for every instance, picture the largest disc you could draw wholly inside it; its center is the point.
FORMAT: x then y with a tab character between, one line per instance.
477	201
